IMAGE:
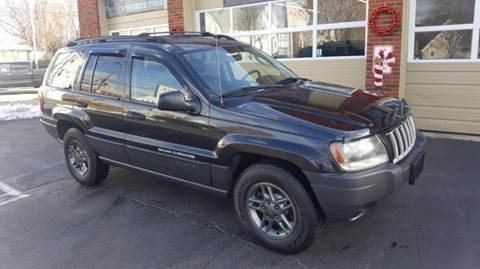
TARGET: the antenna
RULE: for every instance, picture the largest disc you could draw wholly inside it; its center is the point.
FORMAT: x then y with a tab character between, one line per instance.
218	69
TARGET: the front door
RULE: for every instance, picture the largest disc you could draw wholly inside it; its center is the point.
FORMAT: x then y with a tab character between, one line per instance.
172	143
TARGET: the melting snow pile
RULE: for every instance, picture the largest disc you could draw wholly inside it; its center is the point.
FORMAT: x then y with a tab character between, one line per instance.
18	111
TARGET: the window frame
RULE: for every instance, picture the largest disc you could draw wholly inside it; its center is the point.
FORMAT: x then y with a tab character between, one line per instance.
474	27
84	69
314	28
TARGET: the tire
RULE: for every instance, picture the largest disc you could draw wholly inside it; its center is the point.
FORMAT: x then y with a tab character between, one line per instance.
250	187
91	171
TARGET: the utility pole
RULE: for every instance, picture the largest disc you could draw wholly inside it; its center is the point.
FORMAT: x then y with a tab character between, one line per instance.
34	33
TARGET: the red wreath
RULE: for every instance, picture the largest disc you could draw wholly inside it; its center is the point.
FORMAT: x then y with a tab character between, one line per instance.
395	17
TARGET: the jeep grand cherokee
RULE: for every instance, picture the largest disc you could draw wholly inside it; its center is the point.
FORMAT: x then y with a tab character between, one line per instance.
216	114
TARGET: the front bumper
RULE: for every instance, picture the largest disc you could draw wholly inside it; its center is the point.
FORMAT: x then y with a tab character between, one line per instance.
347	195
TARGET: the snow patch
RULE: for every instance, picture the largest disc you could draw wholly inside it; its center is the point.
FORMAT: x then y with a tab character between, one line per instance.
18	111
11	98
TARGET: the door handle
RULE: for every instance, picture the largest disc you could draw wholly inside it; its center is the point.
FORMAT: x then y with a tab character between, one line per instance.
80	104
135	115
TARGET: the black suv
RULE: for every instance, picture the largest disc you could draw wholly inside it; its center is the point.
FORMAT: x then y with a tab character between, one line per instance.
213	113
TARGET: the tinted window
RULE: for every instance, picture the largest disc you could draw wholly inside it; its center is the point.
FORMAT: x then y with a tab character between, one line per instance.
442	12
65	69
87	75
150	79
108	76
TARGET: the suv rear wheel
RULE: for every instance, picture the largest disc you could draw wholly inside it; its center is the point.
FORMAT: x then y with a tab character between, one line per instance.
82	161
275	208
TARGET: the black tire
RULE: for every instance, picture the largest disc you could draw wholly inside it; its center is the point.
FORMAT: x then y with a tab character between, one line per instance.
303	232
96	170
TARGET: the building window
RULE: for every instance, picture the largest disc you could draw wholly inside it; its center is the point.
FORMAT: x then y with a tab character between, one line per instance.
139	30
289	29
445	30
250	18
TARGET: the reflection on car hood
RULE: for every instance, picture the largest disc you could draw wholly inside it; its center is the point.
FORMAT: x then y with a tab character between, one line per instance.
333	106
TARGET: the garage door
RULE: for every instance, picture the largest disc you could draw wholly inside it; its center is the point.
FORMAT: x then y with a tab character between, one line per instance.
445	96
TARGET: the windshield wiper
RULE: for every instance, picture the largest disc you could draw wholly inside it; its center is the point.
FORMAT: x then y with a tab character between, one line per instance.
290	80
249	90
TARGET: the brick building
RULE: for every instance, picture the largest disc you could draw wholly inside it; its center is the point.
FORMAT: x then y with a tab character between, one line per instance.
436	45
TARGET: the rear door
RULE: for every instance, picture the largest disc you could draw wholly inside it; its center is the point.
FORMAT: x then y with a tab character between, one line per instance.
172	143
100	99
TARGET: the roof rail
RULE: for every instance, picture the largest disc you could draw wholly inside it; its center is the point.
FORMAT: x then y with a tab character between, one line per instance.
155	36
88	40
185	34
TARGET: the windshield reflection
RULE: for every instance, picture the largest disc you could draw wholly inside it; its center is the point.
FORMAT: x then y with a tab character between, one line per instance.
238	67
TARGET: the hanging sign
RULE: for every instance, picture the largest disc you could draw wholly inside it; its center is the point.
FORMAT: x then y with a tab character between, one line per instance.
123	7
383	61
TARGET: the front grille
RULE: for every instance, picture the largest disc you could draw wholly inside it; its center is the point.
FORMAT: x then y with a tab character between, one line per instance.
402	139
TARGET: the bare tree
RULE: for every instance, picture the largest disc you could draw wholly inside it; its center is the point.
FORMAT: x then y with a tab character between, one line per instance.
56	22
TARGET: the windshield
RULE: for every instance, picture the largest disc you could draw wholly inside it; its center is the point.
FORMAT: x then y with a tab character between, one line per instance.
239	67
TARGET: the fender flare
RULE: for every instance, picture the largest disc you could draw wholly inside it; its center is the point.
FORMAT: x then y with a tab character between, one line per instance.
303	156
70	115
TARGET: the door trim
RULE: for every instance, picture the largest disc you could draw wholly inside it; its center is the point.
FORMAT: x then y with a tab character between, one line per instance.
217	191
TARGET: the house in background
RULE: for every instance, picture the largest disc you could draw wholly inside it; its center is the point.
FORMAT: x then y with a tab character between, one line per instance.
19	53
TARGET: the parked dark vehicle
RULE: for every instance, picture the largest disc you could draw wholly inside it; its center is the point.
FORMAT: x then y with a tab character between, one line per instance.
216	114
20	74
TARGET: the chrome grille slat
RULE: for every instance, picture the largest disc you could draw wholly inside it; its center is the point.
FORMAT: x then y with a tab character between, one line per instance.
402	139
394	144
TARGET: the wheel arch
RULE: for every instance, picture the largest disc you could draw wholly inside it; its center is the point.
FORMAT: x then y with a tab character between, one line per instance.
65	122
243	160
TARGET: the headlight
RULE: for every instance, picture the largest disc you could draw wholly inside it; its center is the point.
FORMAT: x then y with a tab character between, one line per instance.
361	154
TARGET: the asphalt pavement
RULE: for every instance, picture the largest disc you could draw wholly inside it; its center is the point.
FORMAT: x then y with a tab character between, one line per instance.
47	220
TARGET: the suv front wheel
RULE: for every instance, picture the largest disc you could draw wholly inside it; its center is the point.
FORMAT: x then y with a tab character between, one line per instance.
275	208
82	161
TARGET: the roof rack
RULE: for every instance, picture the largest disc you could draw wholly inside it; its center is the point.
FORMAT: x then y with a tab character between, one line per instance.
185	34
88	40
154	36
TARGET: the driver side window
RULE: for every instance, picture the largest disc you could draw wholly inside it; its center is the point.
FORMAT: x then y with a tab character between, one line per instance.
150	79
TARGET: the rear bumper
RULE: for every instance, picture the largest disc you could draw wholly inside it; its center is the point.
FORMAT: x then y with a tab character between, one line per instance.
346	195
50	126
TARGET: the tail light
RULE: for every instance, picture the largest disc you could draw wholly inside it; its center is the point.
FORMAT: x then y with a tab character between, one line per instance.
41	102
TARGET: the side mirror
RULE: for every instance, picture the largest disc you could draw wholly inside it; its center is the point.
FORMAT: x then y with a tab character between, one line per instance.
178	101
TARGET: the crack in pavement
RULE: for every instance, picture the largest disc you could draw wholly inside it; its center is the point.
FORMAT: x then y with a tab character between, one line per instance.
179	214
92	230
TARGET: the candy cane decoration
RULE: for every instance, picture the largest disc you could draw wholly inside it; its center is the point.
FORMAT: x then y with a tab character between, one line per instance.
379	67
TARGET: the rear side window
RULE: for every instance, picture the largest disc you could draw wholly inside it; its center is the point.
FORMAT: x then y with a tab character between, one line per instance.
108	76
150	79
88	74
65	69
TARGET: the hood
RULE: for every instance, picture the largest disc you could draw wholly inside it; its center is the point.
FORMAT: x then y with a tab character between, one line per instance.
333	106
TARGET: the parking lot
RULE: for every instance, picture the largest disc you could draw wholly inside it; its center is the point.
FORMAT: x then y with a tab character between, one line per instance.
47	220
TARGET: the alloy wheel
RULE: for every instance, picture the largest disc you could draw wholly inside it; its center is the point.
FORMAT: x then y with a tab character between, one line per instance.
78	158
271	210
